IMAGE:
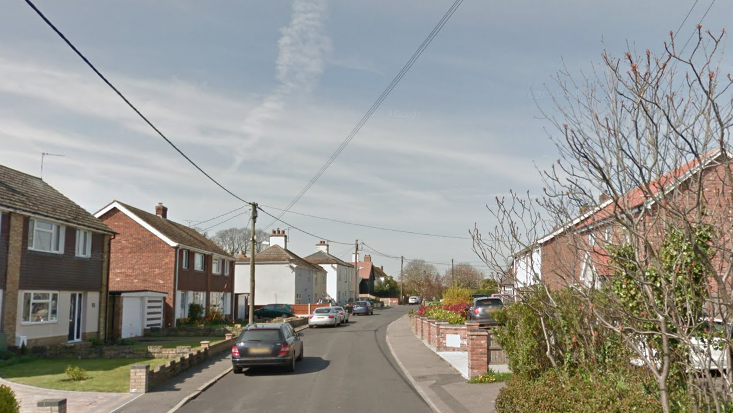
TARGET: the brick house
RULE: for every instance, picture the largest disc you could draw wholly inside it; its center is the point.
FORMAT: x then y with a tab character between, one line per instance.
576	254
53	264
152	253
367	275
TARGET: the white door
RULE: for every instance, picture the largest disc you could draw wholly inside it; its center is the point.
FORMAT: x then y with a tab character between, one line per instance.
132	320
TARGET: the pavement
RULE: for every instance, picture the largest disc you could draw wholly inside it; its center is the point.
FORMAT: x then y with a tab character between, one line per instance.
441	381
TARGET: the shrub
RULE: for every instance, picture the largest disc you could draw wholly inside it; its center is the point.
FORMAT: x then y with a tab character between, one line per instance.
553	392
195	313
8	402
214	316
442	314
76	373
456	295
125	341
96	341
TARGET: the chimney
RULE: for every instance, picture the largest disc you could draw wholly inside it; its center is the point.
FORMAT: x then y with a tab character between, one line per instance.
161	211
322	246
367	258
603	197
278	237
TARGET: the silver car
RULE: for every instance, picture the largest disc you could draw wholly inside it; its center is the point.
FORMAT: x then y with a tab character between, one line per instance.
343	313
324	316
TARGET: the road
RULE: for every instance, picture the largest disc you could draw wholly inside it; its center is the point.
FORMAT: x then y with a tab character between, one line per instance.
347	369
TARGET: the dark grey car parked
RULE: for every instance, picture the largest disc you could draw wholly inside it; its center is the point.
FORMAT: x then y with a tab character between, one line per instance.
484	309
270	344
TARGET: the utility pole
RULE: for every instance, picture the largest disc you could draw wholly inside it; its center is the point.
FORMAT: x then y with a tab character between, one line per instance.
356	269
251	318
402	280
452	275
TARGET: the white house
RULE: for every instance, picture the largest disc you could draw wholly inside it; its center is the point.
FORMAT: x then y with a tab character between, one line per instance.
280	276
340	274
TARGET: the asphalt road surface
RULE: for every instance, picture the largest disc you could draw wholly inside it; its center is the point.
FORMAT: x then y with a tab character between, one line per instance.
346	369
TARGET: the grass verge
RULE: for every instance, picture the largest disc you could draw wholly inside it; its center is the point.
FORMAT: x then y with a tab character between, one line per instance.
173	342
104	375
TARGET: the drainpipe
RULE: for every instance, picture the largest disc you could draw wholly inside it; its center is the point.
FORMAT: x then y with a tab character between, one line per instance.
175	289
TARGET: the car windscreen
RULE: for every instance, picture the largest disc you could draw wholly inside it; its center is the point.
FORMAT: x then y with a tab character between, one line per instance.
324	310
261	335
492	303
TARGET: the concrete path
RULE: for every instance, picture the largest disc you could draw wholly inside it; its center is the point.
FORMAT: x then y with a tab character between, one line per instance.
81	402
442	386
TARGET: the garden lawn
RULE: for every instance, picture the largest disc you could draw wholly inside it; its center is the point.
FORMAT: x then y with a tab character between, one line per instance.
104	375
173	342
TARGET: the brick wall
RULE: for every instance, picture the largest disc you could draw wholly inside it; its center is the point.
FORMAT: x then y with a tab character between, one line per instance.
12	284
478	352
4	234
139	260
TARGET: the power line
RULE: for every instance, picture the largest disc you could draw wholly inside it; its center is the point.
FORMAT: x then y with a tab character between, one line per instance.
370	226
374	106
683	21
303	231
219	216
226	220
699	23
101	76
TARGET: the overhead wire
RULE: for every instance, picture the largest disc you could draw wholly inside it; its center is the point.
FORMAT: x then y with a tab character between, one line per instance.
699	23
219	216
374	106
301	230
371	226
117	91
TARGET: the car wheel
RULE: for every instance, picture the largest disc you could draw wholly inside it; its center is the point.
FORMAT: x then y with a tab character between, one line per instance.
237	370
302	350
291	367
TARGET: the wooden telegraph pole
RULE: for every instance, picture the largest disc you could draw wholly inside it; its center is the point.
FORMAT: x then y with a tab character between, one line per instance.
251	318
356	270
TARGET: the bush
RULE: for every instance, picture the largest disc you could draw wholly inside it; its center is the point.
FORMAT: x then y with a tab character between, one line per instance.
456	295
96	341
8	402
214	316
195	313
125	341
553	392
76	373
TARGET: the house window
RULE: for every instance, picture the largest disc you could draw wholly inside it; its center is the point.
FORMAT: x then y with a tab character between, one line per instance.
591	238
40	307
297	299
608	234
198	298
183	303
83	243
226	304
184	260
198	262
46	236
216	266
226	267
216	300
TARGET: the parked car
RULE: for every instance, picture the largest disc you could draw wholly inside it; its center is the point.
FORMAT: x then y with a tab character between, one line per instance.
275	310
343	313
267	344
363	307
413	300
330	301
324	316
484	309
708	349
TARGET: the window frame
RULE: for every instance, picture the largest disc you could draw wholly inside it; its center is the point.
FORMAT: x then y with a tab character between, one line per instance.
216	265
203	262
87	236
57	231
185	259
226	267
50	302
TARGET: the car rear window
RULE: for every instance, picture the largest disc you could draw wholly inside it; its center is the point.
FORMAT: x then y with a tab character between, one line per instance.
323	310
361	303
262	335
490	302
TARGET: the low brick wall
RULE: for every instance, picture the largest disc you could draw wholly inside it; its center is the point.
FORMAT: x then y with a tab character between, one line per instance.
452	337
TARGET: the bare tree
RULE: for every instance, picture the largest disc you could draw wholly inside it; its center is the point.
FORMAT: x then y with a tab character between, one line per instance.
423	278
635	217
236	241
464	275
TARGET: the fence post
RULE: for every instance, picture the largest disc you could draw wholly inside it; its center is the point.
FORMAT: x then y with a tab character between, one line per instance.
139	378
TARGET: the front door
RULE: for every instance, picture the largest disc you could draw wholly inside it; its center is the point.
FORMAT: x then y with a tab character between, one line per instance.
75	312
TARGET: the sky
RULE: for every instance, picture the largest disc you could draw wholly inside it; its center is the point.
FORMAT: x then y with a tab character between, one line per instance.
261	94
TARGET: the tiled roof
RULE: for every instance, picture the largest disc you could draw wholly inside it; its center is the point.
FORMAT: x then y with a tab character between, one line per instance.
178	233
379	272
321	257
365	269
276	253
29	194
